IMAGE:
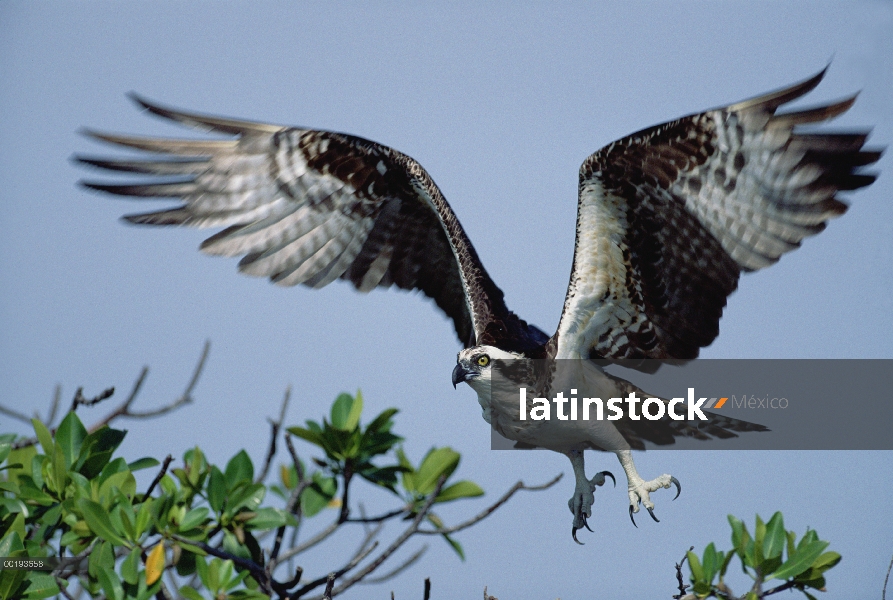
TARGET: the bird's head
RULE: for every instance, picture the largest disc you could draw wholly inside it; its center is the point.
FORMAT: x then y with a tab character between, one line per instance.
473	365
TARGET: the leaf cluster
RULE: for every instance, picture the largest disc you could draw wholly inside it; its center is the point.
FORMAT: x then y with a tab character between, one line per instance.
68	497
771	553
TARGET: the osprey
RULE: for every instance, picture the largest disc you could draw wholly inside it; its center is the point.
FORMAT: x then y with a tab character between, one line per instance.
667	220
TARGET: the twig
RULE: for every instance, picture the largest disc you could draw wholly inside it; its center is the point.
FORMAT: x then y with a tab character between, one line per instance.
887	580
380	518
79	399
294	457
347	475
124	409
779	588
330	583
54	405
488	511
411	530
274	434
328	579
318	582
167	462
311	542
62	588
15	414
256	570
682	586
293	506
427	593
403	566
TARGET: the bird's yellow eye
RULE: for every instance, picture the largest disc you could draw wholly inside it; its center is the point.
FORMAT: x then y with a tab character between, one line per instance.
483	360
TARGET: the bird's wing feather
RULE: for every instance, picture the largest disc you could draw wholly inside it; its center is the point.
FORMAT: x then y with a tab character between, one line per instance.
307	206
669	217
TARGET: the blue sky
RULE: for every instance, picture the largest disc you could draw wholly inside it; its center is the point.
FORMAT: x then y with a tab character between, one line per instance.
500	103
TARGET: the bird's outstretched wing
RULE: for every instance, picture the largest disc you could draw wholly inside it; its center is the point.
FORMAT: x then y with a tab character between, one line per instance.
307	206
669	217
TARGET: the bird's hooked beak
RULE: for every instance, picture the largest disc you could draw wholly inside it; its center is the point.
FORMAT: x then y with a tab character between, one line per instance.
460	374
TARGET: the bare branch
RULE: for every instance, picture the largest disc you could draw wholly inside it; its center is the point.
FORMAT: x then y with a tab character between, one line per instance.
887	580
427	593
15	414
167	462
329	585
54	405
488	511
62	589
294	457
124	409
409	532
394	513
274	434
682	586
332	576
256	570
778	588
137	386
402	567
79	399
311	542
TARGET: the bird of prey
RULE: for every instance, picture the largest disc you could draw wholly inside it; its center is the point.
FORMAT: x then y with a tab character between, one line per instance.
667	220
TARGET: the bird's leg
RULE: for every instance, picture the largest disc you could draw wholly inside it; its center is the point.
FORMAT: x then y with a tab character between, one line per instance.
639	489
580	503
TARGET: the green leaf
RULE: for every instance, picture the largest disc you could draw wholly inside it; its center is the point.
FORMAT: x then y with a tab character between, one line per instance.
60	470
270	518
353	418
5	449
143	517
457	547
43	436
343	410
40	585
382	421
317	495
738	533
130	568
248	497
313	437
758	535
800	561
438	461
774	540
460	489
238	469
143	463
194	518
216	489
97	450
710	562
70	435
110	583
826	561
190	593
97	520
123	482
230	544
694	564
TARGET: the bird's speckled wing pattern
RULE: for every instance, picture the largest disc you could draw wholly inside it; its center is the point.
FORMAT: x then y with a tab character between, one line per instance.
306	206
669	217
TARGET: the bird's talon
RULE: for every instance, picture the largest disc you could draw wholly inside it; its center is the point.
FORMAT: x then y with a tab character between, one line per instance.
609	474
631	516
574	535
651	512
678	485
